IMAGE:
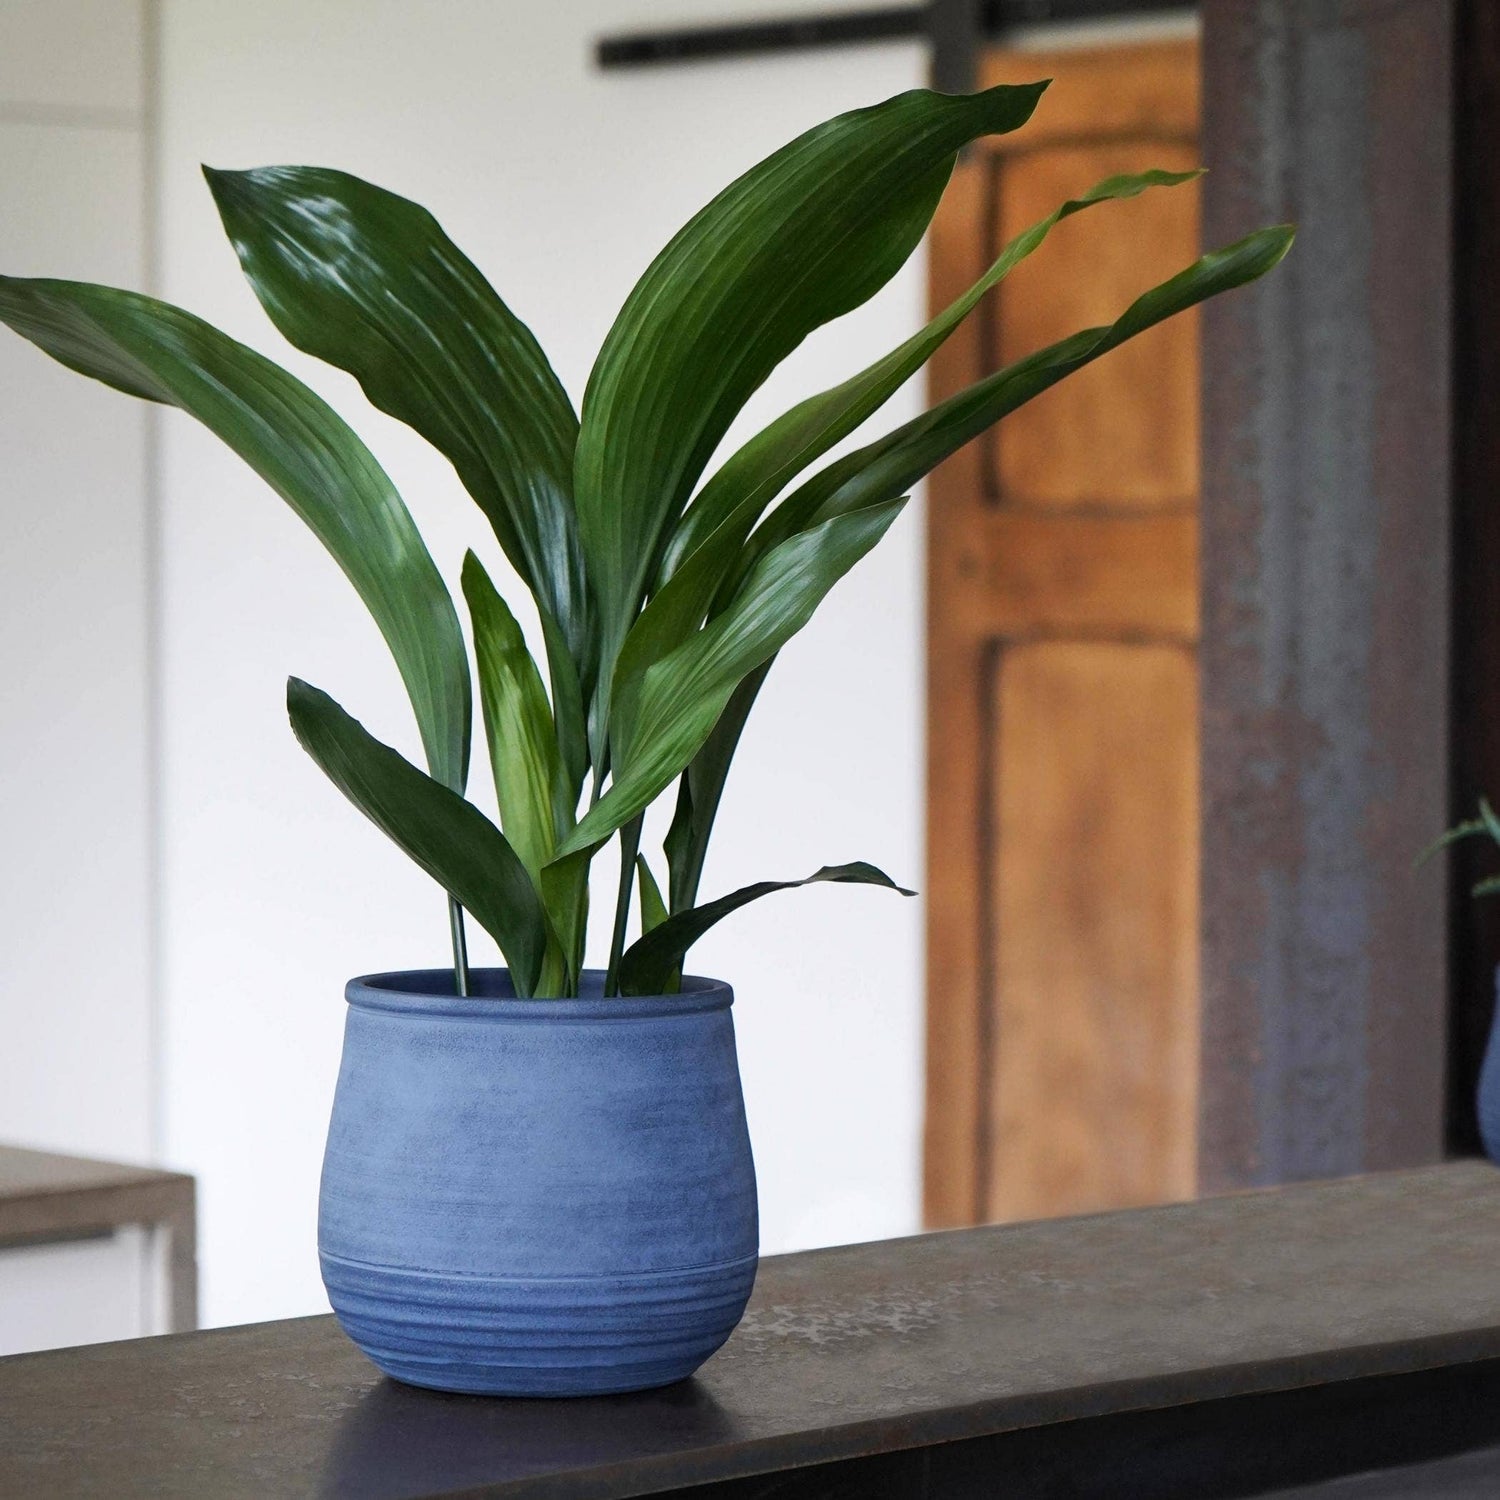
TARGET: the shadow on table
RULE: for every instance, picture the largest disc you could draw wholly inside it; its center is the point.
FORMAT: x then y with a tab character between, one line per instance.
399	1441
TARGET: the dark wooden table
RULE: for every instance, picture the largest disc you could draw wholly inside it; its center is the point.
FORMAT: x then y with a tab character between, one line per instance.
1236	1346
45	1197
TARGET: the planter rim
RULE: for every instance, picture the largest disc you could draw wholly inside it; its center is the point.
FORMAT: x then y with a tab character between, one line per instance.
429	992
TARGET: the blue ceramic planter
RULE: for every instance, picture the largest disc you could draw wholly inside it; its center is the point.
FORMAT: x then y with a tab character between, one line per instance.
1489	1087
537	1197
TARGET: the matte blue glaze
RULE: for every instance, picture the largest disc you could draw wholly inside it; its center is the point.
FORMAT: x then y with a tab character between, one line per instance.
1489	1088
537	1197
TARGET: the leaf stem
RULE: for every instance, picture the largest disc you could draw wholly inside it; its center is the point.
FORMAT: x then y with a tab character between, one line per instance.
460	948
630	843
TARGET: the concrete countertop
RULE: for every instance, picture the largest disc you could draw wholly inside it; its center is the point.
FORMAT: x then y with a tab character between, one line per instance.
844	1354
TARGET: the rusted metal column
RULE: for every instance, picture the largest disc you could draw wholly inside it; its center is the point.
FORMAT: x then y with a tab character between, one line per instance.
1475	925
1326	507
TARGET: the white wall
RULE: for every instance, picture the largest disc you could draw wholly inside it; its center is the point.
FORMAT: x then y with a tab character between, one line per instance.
561	183
75	1065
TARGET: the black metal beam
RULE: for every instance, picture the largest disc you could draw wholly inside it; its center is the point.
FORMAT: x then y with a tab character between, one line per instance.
841	28
955	30
740	39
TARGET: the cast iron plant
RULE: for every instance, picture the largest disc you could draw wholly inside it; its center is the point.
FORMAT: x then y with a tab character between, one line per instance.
663	596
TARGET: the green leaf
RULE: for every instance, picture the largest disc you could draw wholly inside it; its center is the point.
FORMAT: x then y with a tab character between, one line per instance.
737	494
1486	824
529	786
368	281
565	896
701	789
1488	818
650	962
568	710
448	837
300	447
679	700
653	908
893	464
807	235
1487	887
708	538
1472	829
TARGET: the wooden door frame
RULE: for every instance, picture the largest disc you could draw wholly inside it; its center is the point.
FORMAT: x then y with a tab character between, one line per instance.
1328	451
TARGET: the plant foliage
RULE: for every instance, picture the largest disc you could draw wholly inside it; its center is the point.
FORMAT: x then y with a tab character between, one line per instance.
663	596
1485	826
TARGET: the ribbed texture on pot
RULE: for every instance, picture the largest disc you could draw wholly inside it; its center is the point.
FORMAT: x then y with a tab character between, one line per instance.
552	1336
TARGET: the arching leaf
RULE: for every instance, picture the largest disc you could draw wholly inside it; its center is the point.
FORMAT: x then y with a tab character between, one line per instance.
529	786
368	281
301	447
893	464
664	723
756	472
651	962
448	837
808	234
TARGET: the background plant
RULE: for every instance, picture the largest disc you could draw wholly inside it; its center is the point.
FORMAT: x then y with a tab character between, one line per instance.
663	598
1486	825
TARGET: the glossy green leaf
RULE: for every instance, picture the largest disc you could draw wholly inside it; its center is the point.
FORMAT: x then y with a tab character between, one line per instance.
300	446
706	542
448	837
899	461
565	897
733	499
893	464
569	714
368	281
652	960
807	235
529	785
679	700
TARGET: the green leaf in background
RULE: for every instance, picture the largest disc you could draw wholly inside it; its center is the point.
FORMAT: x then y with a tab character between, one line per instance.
740	490
807	235
652	961
448	837
672	710
1486	824
301	447
368	281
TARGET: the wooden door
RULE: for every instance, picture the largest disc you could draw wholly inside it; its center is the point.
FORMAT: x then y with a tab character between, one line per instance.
1063	680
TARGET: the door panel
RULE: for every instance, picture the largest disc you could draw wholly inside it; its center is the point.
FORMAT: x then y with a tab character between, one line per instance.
1062	682
1093	1094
